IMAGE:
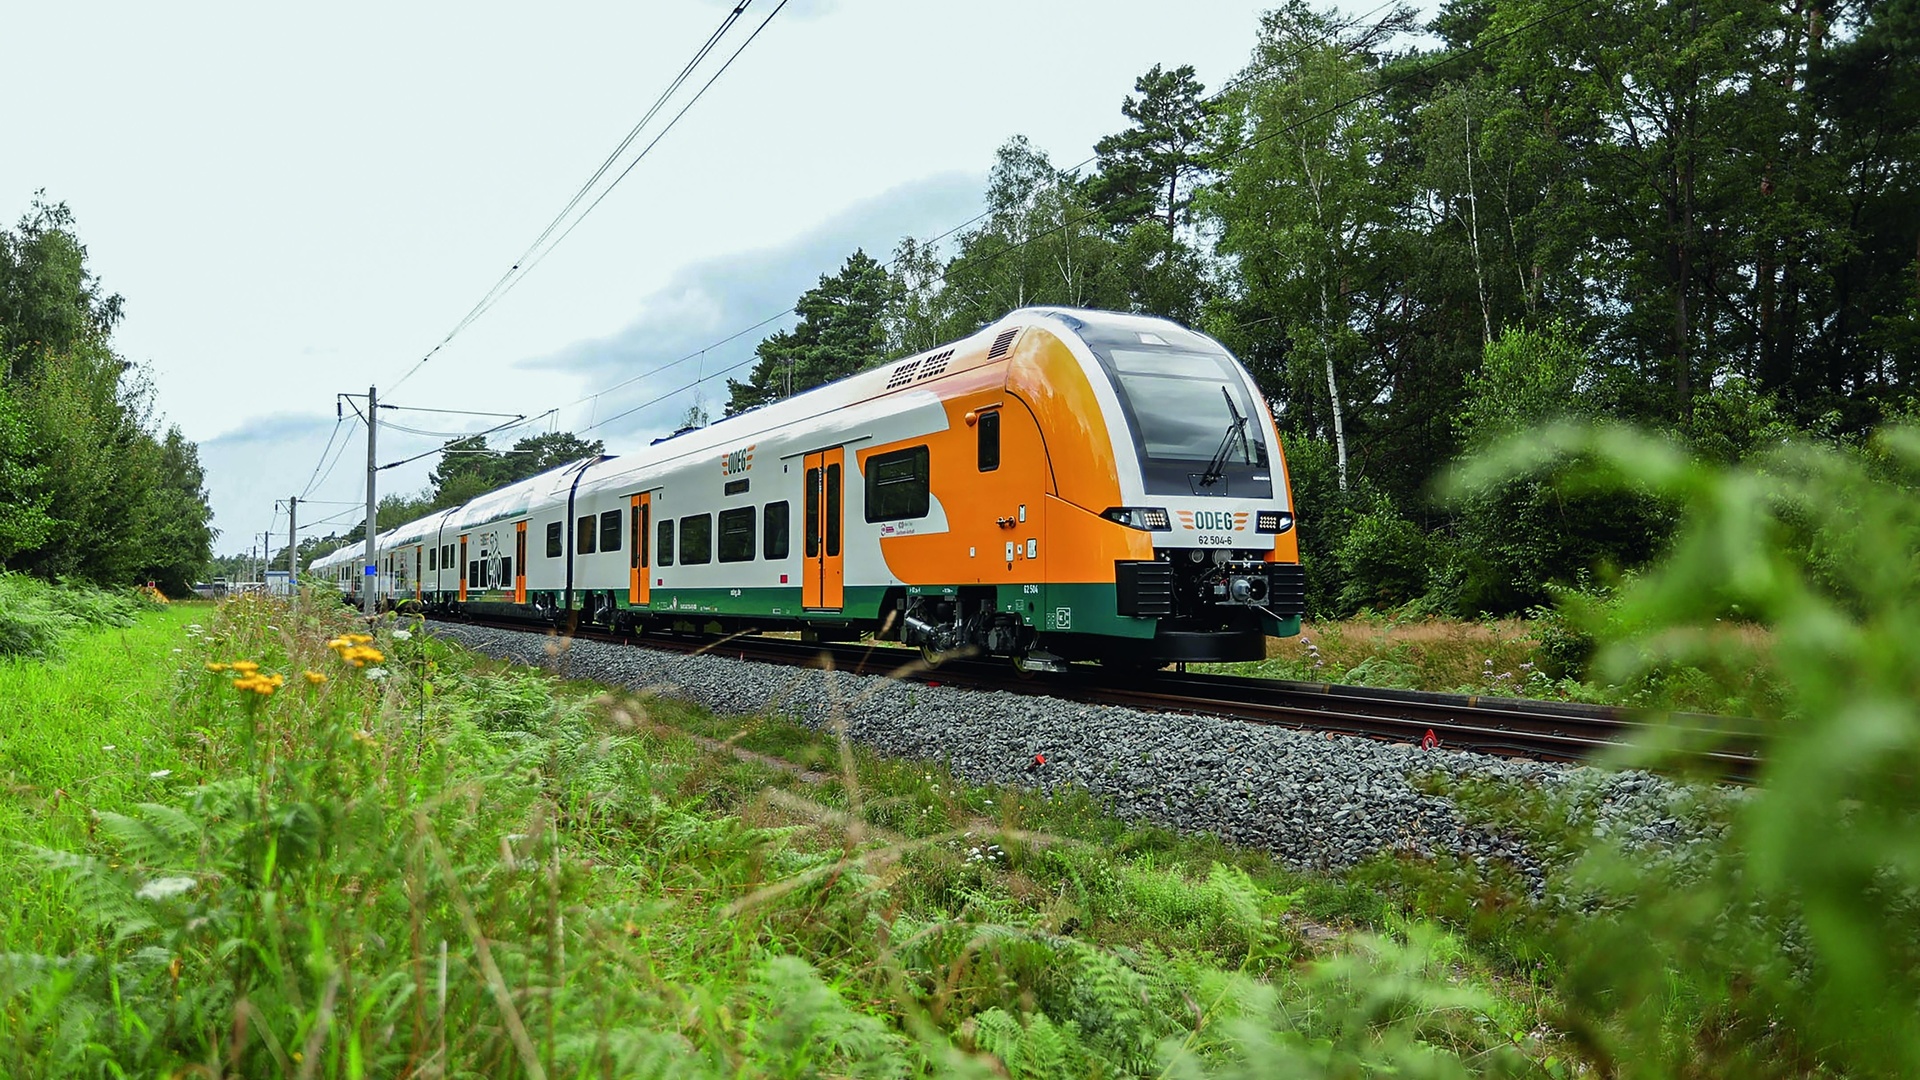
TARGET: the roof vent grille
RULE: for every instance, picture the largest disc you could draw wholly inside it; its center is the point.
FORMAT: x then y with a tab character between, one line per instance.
1002	344
903	374
935	364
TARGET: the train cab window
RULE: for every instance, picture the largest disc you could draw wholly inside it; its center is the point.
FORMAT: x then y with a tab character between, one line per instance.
988	432
610	531
584	536
663	543
774	523
554	539
898	486
696	539
833	507
736	534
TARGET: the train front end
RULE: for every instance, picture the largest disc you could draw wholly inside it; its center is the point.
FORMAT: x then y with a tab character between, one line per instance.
1196	531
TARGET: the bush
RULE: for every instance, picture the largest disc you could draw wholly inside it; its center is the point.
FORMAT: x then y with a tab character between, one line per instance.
35	617
31	624
1790	945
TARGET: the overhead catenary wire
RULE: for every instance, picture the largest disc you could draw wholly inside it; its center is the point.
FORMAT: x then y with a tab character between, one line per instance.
535	253
892	263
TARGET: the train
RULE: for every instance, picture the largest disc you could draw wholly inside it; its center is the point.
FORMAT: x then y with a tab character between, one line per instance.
1063	485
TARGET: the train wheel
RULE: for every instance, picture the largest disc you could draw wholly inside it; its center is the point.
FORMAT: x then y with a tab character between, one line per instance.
931	656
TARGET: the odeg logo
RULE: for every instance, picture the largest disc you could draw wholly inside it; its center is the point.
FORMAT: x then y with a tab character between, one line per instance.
1213	521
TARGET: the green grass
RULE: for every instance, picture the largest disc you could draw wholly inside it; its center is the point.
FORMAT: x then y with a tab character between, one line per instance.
608	891
82	734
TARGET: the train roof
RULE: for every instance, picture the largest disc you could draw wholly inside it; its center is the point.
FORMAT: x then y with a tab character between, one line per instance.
520	496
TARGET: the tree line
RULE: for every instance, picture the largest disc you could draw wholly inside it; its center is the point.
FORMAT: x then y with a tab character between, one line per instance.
91	487
1700	218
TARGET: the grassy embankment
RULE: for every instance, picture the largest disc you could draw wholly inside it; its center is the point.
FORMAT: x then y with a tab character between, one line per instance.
426	864
1542	657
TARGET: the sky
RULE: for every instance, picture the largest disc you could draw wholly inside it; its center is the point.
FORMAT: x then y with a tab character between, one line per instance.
300	201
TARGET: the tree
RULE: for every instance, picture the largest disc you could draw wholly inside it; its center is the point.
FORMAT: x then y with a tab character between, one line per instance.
841	331
1143	169
1299	207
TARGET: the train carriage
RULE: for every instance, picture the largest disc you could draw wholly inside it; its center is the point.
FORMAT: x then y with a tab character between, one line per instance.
1062	485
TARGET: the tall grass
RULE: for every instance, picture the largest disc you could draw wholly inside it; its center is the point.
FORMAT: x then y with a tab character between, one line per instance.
425	866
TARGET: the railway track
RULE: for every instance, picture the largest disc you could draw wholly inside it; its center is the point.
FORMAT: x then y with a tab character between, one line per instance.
1512	727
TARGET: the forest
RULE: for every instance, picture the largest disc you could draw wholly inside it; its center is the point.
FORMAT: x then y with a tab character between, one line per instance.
91	488
1697	219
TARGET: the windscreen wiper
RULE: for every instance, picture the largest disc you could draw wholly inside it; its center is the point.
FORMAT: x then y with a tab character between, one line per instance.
1217	468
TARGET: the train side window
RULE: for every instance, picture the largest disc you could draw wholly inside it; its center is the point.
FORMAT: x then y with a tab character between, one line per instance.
736	534
898	485
833	509
663	544
989	433
637	543
583	536
506	572
775	525
696	539
813	513
473	574
555	542
610	531
433	555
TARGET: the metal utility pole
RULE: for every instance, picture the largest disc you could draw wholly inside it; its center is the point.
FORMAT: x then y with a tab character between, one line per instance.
293	549
372	572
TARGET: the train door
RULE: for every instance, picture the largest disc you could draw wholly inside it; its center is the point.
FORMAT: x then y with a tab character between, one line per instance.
520	563
639	573
823	576
466	574
419	553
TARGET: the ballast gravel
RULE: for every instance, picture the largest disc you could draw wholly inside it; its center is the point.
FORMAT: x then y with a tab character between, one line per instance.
1313	799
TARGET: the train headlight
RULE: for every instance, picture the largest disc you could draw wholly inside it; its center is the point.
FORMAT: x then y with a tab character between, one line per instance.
1144	518
1272	521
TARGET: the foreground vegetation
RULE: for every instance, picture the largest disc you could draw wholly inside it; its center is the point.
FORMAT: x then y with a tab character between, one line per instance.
289	850
412	862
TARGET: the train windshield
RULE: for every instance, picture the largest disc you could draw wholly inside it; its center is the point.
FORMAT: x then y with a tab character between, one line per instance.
1171	391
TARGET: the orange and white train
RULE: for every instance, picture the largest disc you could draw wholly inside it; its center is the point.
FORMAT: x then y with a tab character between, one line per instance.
1062	485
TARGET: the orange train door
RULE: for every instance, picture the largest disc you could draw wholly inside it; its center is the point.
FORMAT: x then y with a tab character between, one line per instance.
520	563
639	574
419	554
823	578
463	569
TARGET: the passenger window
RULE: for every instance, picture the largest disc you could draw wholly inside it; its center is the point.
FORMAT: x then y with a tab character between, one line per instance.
776	531
663	544
898	486
610	531
554	548
833	509
813	513
433	556
696	539
736	534
989	441
506	572
583	536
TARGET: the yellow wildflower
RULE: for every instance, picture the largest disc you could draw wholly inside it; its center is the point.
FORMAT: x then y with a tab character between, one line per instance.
262	684
360	639
315	677
212	666
247	667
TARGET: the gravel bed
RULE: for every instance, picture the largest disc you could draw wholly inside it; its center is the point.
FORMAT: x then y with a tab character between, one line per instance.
1315	800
